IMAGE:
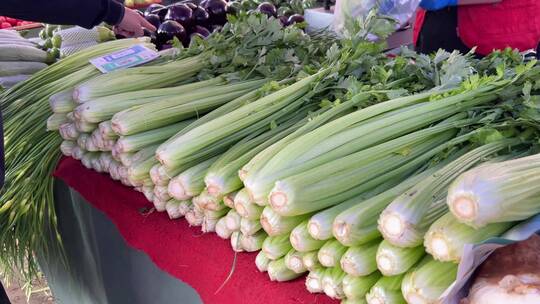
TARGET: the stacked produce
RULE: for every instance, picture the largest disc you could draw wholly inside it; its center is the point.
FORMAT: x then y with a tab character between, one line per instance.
8	23
366	173
187	19
19	58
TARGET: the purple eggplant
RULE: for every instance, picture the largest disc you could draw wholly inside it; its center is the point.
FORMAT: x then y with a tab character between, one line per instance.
284	20
217	9
153	19
200	16
215	28
154	8
170	29
268	9
233	7
201	30
191	5
296	18
196	34
180	13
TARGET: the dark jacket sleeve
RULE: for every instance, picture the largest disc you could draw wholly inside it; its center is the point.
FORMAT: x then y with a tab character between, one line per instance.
85	13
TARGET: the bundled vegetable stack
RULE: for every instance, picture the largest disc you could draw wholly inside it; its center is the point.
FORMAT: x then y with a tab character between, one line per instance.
364	172
19	58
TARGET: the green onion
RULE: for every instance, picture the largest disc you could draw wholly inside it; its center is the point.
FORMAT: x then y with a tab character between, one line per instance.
496	192
446	238
311	260
359	260
278	271
262	261
332	283
392	260
190	182
331	252
253	242
426	282
386	291
314	280
249	227
358	287
353	301
302	241
293	261
275	224
276	247
245	206
403	222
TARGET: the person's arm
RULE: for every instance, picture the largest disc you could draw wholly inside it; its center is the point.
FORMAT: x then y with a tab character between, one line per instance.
85	13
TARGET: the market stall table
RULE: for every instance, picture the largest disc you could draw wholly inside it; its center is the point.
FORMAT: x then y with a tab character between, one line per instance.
203	261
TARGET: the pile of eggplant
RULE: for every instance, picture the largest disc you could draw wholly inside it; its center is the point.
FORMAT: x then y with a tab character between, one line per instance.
186	19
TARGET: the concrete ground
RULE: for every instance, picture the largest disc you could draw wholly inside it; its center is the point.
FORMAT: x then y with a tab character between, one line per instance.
41	293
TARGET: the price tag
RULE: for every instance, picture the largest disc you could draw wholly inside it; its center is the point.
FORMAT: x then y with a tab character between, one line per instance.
130	57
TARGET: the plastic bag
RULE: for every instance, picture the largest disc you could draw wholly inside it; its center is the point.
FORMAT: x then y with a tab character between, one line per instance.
401	10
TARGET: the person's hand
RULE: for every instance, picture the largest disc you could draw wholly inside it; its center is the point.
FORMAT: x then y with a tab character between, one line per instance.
132	24
433	5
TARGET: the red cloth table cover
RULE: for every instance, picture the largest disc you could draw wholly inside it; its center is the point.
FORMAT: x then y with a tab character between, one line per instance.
201	260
